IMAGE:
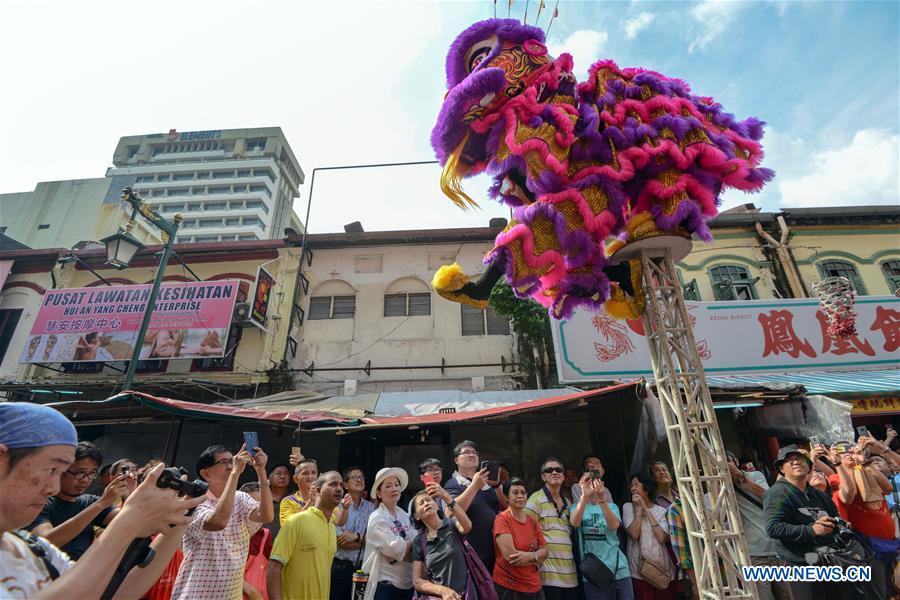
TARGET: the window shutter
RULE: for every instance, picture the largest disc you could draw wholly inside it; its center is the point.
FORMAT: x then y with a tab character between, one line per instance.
691	291
344	307
496	324
320	307
395	305
419	304
472	320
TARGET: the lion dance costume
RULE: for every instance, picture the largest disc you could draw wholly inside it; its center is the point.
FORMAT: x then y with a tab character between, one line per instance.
627	155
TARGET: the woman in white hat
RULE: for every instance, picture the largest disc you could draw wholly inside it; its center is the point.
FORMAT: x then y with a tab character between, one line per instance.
389	538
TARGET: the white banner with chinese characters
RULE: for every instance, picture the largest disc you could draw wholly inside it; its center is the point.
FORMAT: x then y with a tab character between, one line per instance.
734	338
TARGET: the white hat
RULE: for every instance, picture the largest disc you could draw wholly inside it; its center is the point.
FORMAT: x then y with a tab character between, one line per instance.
386	472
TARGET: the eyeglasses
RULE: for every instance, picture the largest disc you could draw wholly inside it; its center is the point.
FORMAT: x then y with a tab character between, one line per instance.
553	470
400	530
434	470
356	478
84	475
227	462
468	453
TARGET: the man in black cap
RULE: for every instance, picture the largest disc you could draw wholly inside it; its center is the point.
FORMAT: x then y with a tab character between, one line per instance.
798	517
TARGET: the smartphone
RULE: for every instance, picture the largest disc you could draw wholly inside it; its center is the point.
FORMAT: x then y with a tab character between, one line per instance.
493	468
428	478
296	450
814	441
861	431
595	474
251	440
123	470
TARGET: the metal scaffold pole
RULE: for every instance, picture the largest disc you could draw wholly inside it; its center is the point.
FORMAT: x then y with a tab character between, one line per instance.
715	533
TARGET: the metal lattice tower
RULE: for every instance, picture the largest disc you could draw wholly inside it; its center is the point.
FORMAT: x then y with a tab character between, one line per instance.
715	533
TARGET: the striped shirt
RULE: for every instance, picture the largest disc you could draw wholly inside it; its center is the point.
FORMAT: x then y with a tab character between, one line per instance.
559	568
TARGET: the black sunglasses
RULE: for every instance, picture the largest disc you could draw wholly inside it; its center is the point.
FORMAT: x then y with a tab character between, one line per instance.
553	470
400	529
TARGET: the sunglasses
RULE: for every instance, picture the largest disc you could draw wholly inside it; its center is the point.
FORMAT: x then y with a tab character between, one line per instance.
400	530
553	470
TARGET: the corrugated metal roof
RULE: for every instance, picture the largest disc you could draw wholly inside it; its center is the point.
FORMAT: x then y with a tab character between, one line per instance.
885	381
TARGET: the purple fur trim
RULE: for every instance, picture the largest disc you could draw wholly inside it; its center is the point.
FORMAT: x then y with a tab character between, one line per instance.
449	129
506	30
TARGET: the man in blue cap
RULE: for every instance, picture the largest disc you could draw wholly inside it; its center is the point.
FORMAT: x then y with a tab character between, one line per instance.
37	444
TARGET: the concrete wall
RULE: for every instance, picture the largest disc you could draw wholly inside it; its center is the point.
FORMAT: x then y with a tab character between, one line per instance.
370	272
72	210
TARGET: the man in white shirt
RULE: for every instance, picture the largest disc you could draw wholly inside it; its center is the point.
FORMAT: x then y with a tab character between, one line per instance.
217	541
37	443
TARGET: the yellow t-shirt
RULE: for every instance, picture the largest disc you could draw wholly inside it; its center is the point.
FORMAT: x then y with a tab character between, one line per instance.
290	505
305	546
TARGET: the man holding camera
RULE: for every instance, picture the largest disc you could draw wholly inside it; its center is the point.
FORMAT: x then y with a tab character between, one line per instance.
481	498
37	444
217	541
799	518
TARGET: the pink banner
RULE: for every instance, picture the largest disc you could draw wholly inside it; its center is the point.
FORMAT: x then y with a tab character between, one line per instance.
190	320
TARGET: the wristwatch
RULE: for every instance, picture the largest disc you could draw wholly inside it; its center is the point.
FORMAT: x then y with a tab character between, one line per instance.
451	504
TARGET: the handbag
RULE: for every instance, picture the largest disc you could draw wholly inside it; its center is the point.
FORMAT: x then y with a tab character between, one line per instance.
655	565
594	569
653	574
255	571
479	576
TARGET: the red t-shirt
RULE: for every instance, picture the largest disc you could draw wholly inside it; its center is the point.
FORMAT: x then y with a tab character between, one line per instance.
873	522
527	537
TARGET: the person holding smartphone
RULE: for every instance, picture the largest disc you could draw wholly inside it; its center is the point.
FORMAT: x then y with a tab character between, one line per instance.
481	497
430	471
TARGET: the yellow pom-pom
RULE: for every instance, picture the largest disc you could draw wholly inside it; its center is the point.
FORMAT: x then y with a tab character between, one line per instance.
617	309
449	278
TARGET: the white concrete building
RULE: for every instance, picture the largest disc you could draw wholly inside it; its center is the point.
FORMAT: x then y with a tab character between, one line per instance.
373	323
230	184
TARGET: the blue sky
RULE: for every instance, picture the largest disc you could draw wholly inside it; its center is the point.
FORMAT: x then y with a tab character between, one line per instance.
361	83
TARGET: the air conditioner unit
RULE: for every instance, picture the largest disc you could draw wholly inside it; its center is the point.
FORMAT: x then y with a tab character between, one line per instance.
241	314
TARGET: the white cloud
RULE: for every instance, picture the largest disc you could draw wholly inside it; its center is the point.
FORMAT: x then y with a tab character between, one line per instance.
585	46
864	172
637	24
714	17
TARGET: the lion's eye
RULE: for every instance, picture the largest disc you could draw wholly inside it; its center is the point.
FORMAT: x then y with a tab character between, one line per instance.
477	56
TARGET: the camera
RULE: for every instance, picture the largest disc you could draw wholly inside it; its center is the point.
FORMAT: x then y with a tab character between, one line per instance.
842	531
171	478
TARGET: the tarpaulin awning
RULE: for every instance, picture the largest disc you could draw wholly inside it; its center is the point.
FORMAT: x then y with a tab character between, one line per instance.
437	418
129	405
820	382
395	404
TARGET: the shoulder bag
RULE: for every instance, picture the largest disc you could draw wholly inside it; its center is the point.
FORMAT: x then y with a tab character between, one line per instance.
654	566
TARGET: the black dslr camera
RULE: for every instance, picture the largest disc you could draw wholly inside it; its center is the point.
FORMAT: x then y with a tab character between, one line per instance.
171	478
843	533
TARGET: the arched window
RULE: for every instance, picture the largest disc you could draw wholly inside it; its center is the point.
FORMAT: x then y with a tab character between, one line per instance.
891	270
732	282
407	297
840	268
334	299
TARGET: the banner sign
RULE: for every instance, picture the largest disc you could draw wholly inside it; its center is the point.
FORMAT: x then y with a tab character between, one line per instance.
190	320
260	309
734	338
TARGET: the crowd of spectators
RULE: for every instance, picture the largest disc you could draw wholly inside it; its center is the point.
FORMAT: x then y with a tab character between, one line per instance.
476	533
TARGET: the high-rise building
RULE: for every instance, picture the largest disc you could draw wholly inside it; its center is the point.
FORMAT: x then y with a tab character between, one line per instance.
229	184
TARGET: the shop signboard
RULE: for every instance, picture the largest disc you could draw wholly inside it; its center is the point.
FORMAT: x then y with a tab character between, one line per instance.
734	338
260	310
190	320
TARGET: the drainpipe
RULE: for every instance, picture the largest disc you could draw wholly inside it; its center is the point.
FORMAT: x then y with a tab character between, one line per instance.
788	267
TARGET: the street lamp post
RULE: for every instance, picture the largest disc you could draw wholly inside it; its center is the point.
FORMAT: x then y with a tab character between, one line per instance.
122	247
